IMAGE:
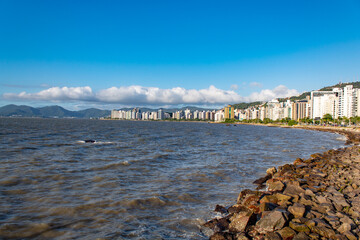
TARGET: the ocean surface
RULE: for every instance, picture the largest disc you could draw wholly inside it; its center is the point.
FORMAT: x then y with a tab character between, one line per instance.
139	180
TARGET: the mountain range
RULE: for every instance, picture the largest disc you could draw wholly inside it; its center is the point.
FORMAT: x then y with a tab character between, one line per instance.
60	112
50	112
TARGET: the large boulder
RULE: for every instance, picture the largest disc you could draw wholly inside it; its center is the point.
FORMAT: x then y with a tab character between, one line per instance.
275	220
287	233
297	210
240	221
293	190
274	185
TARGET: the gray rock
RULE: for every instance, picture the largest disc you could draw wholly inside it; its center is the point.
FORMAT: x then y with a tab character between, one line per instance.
297	210
346	219
350	235
340	237
355	203
271	171
301	236
221	236
299	227
287	233
309	193
322	199
241	236
274	185
272	236
340	200
328	233
240	221
275	220
293	190
345	227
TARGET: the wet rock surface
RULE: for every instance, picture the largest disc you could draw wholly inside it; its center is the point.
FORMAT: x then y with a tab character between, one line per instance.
315	198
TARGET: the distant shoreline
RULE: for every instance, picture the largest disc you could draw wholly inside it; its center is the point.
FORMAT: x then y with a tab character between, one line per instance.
351	133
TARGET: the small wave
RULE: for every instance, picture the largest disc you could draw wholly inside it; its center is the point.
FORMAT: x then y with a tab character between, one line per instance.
100	142
153	202
10	181
15	230
111	166
15	192
27	148
341	138
186	197
95	142
56	144
161	156
168	150
98	179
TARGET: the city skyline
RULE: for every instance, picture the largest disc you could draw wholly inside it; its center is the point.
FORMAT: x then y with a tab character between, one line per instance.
336	103
165	54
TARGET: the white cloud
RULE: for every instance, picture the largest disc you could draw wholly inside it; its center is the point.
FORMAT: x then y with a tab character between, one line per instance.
234	87
173	96
55	93
138	95
255	84
267	94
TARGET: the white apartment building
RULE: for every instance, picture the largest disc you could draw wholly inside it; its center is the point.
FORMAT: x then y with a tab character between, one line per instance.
196	114
346	101
356	102
323	102
340	102
262	113
187	114
219	116
115	114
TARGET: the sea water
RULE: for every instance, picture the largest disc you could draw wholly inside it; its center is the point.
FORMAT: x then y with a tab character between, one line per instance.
138	180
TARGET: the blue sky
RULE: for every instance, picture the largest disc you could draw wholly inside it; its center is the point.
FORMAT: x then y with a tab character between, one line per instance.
108	54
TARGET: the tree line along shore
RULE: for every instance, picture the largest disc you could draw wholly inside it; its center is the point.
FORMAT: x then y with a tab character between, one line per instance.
315	198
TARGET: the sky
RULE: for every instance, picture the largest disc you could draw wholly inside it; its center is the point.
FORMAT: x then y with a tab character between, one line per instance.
113	54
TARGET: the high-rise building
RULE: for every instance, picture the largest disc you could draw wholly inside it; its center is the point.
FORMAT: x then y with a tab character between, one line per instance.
187	114
299	110
229	112
207	115
196	114
324	102
357	102
340	102
346	101
115	114
160	115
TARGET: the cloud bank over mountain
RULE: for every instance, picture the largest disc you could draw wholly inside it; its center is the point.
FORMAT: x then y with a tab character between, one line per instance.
139	95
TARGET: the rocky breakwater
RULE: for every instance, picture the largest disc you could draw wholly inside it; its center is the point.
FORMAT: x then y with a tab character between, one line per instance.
316	198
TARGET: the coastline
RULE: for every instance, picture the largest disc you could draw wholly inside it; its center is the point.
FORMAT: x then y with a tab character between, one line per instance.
315	198
352	134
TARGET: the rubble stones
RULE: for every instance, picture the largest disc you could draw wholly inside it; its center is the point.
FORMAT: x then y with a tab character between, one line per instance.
316	198
274	220
271	171
239	221
274	185
297	210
